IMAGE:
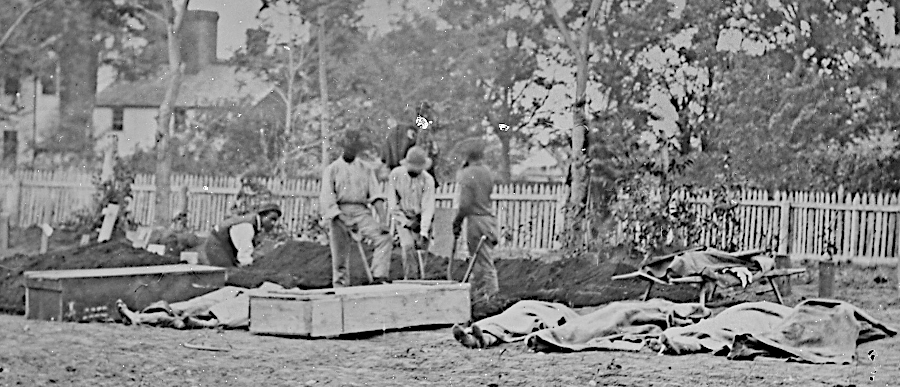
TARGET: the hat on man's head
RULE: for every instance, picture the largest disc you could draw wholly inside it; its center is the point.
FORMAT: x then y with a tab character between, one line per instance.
417	158
266	207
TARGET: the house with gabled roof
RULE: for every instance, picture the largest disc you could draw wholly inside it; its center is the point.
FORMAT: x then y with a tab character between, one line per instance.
127	111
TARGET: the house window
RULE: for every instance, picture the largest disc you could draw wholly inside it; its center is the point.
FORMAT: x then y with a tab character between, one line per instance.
180	118
118	119
10	147
48	84
11	86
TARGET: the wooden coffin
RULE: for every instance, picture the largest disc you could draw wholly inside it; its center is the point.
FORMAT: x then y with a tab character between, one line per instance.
91	294
333	312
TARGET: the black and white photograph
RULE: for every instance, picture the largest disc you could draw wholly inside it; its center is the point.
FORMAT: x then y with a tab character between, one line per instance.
450	193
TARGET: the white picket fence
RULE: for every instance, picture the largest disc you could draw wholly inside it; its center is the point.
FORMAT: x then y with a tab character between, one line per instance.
860	226
529	213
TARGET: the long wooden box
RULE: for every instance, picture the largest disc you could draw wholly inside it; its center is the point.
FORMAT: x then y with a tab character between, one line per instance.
333	312
91	294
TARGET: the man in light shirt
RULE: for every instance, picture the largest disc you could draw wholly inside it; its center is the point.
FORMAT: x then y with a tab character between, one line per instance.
231	243
411	203
349	187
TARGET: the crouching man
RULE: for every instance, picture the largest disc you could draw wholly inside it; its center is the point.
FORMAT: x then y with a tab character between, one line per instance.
231	243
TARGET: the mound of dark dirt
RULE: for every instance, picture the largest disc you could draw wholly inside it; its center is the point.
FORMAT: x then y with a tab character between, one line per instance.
111	254
307	265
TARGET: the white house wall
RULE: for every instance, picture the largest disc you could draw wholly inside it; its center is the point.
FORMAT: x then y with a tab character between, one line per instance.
30	121
138	128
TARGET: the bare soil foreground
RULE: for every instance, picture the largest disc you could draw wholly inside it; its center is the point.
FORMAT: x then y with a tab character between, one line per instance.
38	353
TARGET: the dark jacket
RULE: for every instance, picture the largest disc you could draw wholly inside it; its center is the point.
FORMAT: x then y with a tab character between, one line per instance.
219	249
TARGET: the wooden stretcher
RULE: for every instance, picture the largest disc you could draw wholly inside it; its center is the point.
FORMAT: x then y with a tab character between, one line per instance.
708	286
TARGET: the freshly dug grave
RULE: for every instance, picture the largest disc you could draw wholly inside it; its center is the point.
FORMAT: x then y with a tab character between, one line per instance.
307	265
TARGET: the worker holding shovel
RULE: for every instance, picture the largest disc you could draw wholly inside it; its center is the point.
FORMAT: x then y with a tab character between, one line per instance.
348	189
411	205
475	186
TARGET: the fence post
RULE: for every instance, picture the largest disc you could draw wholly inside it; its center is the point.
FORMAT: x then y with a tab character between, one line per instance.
4	232
784	229
561	198
184	200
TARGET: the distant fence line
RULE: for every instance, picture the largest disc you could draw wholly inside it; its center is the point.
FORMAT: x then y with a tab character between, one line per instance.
859	226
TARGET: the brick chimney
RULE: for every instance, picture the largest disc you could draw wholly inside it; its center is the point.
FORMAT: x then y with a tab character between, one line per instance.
198	46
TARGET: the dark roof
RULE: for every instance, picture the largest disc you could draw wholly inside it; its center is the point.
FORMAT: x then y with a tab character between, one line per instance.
211	86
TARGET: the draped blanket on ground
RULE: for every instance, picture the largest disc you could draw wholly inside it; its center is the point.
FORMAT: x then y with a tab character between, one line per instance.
526	317
815	331
229	305
716	334
622	325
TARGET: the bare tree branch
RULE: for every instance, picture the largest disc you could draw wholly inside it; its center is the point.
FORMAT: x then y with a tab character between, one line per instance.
563	30
154	14
19	20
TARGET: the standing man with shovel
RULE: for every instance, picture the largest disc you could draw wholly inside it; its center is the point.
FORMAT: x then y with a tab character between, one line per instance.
475	186
411	205
348	189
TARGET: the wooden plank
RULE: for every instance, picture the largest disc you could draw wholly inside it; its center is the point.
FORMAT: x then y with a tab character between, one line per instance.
427	305
292	316
361	308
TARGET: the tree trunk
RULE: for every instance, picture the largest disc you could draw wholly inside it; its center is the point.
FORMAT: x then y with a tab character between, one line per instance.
505	167
165	122
288	115
78	64
574	238
575	208
323	90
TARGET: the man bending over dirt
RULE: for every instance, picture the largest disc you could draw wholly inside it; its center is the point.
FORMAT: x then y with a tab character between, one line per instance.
230	244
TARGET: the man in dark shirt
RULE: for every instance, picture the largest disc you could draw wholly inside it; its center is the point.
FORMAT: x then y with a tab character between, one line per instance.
230	244
475	186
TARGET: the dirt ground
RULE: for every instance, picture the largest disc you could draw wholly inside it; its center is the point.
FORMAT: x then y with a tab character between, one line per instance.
38	353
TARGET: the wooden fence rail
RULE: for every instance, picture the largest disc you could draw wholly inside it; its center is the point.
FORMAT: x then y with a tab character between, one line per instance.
859	226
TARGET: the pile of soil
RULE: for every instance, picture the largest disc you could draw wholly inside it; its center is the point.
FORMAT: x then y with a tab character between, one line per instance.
111	254
307	265
574	282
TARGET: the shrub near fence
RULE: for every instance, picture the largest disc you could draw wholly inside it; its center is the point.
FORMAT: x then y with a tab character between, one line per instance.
861	226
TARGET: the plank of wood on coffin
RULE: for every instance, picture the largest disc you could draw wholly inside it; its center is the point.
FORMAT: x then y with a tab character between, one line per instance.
331	312
296	315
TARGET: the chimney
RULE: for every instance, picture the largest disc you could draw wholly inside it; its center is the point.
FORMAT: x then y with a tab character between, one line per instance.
198	46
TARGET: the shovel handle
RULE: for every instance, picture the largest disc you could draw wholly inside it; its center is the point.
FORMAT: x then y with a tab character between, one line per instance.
450	261
472	259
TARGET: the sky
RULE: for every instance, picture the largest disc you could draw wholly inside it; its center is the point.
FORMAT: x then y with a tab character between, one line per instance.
236	16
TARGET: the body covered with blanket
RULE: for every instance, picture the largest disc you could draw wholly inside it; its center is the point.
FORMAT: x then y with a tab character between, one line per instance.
815	331
726	269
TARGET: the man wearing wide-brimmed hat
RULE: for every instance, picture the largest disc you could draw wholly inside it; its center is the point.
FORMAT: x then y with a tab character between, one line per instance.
475	186
349	187
411	202
231	243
